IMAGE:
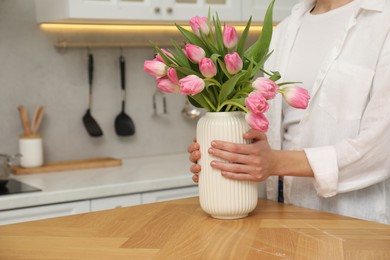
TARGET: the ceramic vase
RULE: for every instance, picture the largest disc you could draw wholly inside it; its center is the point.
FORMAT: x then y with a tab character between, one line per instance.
220	197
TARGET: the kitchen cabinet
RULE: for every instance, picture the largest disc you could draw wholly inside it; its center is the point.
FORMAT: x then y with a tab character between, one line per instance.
134	10
171	194
115	202
43	212
258	8
144	198
70	208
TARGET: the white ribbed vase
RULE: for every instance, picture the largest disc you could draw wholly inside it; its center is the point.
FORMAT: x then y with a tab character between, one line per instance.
220	197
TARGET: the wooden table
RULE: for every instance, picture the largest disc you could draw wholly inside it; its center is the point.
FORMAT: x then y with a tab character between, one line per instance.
180	230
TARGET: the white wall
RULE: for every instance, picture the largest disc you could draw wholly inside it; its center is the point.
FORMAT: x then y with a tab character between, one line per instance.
33	72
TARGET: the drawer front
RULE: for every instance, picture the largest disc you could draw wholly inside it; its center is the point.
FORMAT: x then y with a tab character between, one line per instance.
43	212
115	202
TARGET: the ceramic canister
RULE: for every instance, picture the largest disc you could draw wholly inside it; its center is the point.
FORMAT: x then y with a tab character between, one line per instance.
31	150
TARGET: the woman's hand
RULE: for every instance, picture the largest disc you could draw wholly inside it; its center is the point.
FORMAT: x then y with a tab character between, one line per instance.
248	162
193	150
252	162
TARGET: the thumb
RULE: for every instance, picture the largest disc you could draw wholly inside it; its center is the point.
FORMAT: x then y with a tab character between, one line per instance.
255	135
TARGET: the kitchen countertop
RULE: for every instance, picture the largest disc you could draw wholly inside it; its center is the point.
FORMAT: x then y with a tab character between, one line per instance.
135	175
179	229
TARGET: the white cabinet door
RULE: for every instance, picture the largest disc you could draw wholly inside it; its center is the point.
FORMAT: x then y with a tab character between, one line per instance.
258	8
183	10
116	9
97	10
134	10
115	202
43	212
172	194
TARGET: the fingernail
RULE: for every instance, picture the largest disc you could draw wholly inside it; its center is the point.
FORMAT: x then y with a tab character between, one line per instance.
213	144
212	163
211	151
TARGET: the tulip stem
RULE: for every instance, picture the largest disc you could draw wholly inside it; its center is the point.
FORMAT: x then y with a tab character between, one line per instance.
209	102
229	104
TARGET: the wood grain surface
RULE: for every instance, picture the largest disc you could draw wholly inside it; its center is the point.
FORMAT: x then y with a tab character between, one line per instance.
180	230
69	165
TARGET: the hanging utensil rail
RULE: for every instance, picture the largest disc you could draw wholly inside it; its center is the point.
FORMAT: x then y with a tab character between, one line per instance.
62	45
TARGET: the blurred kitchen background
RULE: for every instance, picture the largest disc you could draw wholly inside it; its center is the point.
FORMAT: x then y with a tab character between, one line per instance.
33	72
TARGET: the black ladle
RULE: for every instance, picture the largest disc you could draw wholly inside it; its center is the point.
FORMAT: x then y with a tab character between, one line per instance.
90	123
124	125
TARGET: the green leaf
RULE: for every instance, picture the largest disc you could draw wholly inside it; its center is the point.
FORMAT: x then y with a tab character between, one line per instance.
208	43
193	102
259	66
244	36
215	57
181	58
275	76
210	95
219	37
199	99
228	86
188	71
223	68
289	83
240	101
168	60
260	48
193	38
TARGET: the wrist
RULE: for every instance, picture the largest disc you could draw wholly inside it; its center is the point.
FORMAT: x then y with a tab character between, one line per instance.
291	163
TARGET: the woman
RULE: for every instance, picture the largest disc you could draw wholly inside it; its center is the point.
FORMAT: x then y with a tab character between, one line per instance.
333	156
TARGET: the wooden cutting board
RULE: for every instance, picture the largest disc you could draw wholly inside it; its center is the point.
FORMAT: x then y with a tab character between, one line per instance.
69	165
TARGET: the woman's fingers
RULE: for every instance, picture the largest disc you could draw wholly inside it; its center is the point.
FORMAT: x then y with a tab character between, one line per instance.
193	147
195	168
195	178
234	157
194	156
256	135
239	176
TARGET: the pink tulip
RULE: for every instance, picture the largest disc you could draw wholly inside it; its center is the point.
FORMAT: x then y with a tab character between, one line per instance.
267	87
155	68
207	68
230	37
194	53
256	103
159	58
172	76
199	24
191	85
257	122
295	96
166	85
233	63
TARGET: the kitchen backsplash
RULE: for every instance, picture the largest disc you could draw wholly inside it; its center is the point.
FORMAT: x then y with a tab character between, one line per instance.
33	72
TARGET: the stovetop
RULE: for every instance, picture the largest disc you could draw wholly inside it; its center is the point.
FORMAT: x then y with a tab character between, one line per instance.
15	186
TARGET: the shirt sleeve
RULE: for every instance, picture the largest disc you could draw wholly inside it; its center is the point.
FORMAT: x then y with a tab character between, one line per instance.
323	162
362	161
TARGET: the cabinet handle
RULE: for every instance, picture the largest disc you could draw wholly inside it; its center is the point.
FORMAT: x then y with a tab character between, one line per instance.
157	10
169	10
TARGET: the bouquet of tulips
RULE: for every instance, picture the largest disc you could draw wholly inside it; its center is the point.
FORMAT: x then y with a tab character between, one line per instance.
216	73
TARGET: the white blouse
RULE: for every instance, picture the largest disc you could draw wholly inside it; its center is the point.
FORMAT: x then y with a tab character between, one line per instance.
345	131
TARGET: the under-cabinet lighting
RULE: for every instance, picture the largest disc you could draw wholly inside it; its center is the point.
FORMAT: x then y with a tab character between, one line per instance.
127	28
